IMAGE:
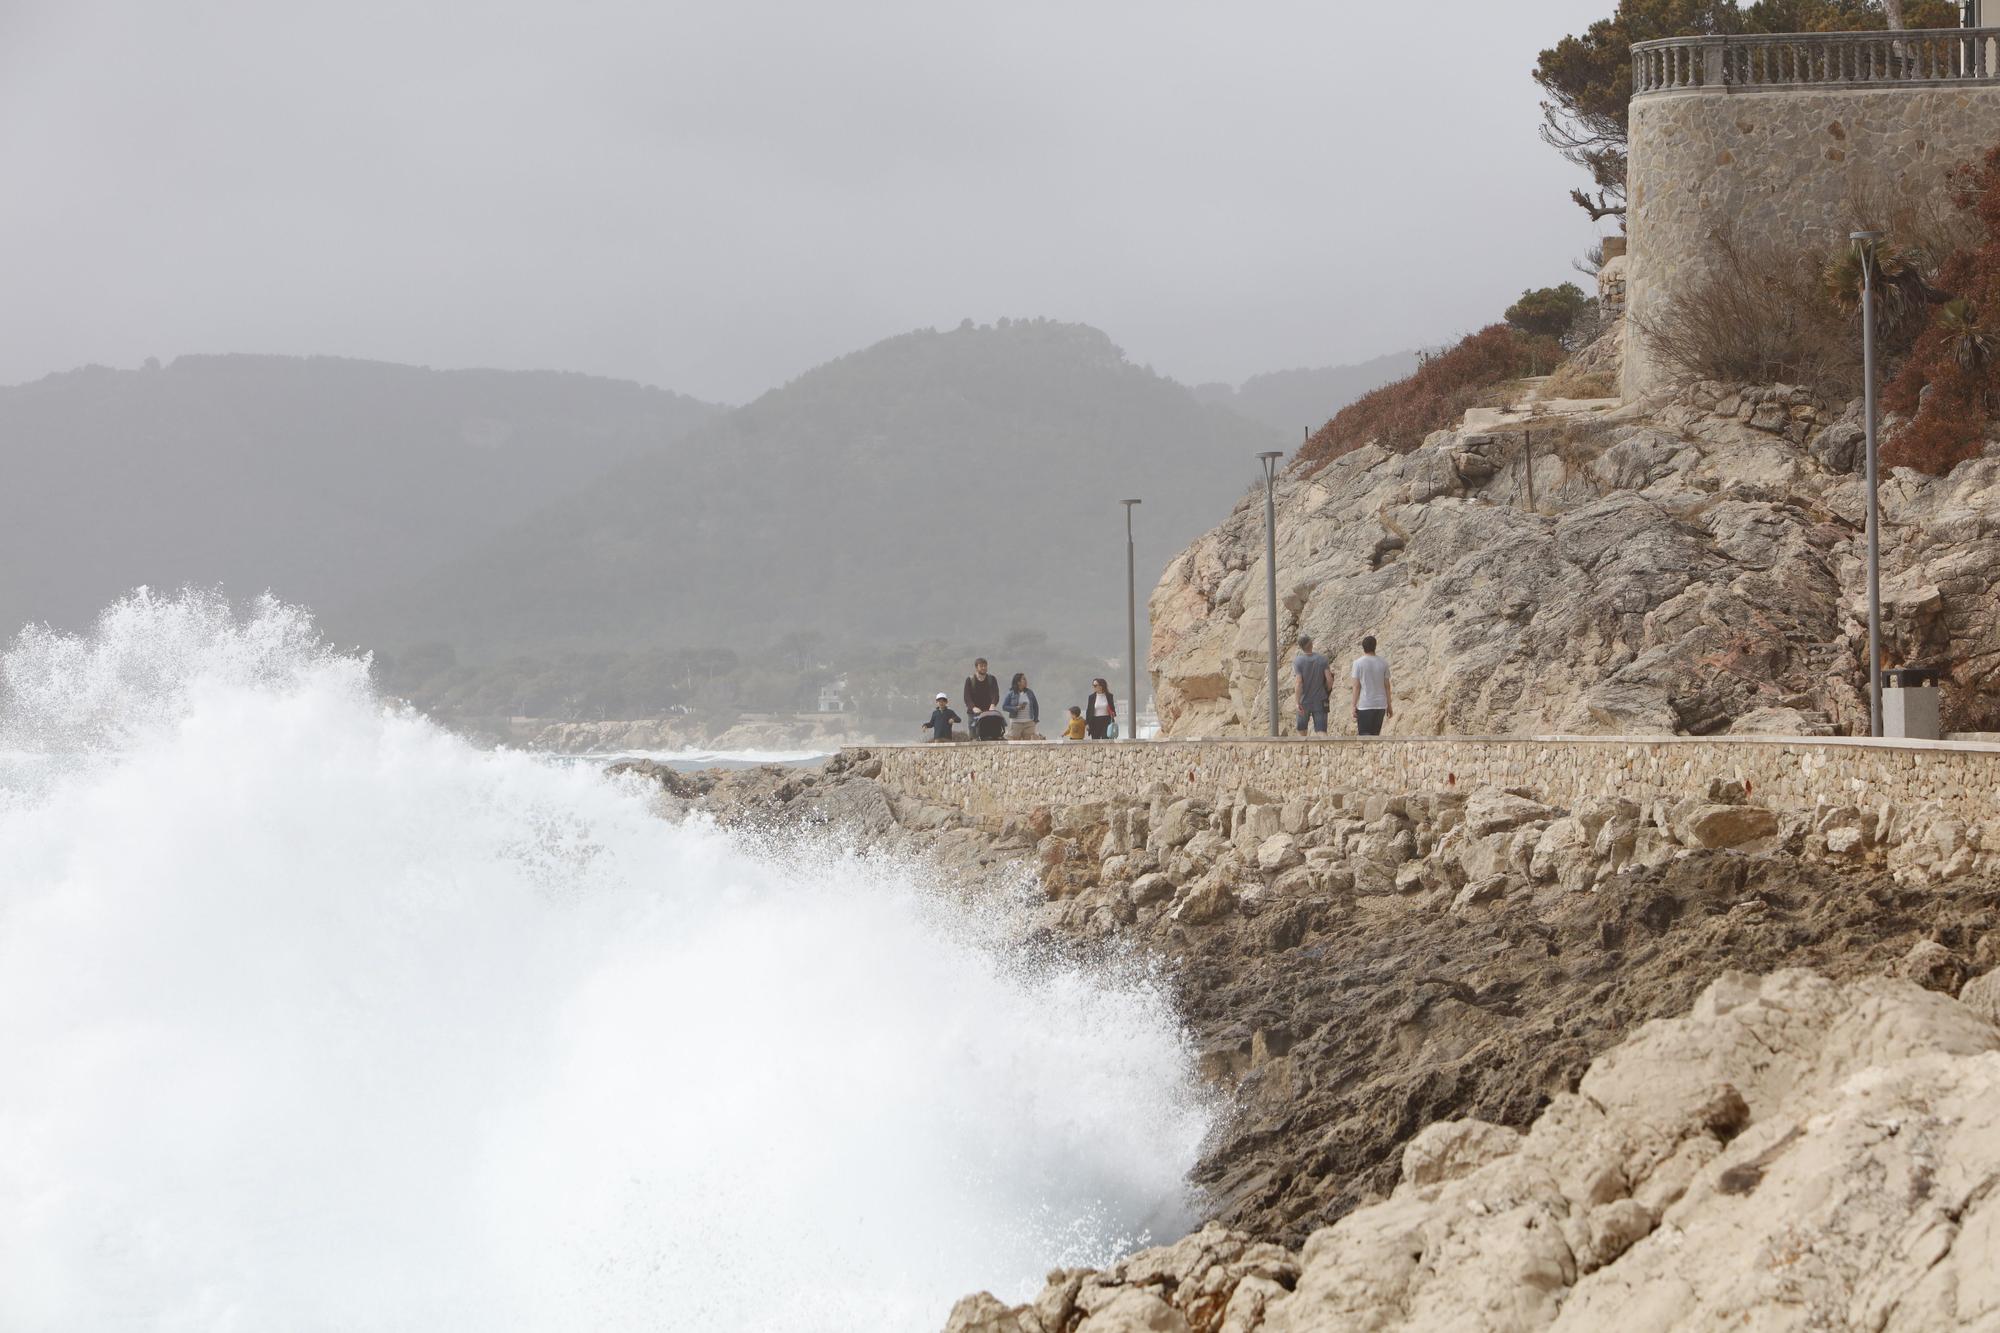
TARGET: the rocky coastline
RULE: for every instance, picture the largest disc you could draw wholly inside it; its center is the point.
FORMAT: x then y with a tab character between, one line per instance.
1496	1063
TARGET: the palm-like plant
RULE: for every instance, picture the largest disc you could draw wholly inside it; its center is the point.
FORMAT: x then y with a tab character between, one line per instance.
1970	343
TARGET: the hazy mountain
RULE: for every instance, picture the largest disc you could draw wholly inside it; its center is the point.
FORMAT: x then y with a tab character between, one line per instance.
938	485
318	478
1298	401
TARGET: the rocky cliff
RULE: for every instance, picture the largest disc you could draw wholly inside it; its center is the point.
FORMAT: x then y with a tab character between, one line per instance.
1691	565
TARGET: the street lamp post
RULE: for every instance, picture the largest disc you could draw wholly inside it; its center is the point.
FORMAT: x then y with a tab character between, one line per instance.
1867	241
1270	461
1131	630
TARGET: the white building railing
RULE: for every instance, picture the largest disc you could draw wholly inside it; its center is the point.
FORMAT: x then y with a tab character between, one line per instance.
1763	63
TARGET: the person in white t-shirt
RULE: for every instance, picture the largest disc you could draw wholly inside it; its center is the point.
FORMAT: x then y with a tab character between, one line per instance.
1371	690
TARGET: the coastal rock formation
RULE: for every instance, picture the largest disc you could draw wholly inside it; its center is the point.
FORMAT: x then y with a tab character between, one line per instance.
1790	1154
1429	956
1692	567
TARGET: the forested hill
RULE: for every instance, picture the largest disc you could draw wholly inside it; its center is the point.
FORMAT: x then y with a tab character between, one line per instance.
1303	400
318	478
938	485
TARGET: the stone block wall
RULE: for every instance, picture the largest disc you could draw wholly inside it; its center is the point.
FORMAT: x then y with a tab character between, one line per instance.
1004	780
1793	167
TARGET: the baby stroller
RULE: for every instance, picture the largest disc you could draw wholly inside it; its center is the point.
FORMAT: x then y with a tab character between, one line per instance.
990	726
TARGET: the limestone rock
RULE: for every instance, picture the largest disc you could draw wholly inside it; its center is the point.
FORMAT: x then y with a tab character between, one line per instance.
1982	996
1490	811
1727	825
1206	901
1134	1310
1449	1149
1932	966
1151	888
1279	852
1480	891
985	1313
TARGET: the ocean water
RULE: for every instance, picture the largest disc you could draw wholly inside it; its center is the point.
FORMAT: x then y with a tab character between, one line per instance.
313	1016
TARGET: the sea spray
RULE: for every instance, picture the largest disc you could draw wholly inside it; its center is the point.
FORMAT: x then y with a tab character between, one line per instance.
314	1016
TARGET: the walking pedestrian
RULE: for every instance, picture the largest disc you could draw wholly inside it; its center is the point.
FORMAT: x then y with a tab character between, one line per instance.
1100	710
1313	676
1371	690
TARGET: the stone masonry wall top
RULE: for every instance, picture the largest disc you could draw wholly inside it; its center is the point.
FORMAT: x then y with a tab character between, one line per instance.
1002	779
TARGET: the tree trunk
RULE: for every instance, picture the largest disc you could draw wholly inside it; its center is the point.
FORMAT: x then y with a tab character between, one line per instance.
1894	9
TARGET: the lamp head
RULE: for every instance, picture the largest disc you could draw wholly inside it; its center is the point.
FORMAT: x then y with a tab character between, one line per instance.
1865	237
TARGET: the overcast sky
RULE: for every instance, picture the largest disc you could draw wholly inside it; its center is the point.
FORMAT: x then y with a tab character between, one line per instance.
716	196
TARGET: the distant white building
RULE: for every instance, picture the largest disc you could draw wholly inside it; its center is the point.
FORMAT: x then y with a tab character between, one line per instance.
833	696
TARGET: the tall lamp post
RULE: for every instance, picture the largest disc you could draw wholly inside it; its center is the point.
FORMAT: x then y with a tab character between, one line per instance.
1867	241
1270	461
1131	630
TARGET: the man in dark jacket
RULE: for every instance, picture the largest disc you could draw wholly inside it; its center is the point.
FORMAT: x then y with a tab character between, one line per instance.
982	696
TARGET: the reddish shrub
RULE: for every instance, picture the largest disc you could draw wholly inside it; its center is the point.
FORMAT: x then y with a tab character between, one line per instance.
1950	381
1398	416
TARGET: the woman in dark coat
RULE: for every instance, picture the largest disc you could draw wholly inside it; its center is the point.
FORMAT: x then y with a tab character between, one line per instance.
1100	709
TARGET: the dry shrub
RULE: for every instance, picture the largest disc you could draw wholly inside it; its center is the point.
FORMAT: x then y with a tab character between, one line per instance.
1758	315
1574	381
1398	416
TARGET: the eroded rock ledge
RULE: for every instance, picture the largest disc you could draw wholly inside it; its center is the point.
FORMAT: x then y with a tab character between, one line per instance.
1791	1154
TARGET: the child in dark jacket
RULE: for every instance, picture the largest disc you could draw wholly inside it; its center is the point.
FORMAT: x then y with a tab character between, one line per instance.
942	719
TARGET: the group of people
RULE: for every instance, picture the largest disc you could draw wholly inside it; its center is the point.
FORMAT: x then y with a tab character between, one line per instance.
1312	674
1017	715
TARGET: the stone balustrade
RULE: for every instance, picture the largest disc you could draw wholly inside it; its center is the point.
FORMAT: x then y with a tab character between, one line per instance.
1822	60
1004	780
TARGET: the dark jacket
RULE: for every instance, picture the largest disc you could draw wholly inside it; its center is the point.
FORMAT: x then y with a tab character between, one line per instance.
1090	713
941	722
981	695
1018	702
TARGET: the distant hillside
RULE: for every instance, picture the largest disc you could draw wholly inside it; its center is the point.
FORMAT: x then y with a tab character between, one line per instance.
1296	401
947	486
318	478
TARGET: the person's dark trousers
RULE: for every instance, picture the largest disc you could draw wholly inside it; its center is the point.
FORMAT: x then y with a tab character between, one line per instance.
1315	716
1097	726
1368	721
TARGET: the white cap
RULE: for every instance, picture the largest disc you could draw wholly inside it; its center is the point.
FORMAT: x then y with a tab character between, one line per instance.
944	696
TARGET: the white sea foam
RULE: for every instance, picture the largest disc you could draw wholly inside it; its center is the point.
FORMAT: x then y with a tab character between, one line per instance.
313	1016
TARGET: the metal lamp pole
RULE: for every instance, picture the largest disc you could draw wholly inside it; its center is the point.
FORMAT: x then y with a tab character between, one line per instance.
1866	240
1131	631
1270	461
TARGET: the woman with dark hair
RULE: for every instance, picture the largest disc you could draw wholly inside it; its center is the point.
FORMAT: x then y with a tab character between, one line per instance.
1100	710
1023	710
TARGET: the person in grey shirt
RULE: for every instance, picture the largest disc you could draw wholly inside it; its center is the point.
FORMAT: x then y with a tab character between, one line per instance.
1371	690
1313	676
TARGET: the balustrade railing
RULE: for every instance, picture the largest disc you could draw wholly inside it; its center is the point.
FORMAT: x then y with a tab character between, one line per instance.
1815	60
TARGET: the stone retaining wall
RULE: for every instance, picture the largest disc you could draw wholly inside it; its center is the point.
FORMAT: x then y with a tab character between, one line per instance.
1792	168
1781	773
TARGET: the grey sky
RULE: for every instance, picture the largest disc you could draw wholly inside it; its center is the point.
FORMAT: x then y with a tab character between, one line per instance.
716	196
